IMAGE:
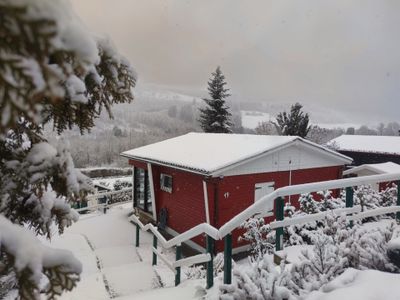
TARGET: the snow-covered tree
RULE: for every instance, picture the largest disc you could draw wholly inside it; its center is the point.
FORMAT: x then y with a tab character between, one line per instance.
293	123
215	117
52	71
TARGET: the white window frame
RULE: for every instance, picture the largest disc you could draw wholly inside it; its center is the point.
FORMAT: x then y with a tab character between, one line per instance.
162	186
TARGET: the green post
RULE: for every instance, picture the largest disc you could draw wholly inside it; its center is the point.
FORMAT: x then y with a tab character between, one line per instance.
279	207
398	200
350	199
137	235
228	259
210	265
178	269
155	247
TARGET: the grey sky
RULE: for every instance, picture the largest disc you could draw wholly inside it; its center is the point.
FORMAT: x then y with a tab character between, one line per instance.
340	54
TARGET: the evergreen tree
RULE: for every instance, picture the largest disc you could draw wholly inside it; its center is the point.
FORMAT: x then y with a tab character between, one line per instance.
52	71
215	117
293	123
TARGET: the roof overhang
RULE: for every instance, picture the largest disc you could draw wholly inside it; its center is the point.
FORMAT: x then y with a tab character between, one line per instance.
341	158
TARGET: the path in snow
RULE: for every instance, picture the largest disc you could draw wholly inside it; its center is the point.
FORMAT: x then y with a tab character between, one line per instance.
112	267
105	246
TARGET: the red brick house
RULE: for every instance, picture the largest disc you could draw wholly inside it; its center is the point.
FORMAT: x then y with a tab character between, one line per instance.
203	177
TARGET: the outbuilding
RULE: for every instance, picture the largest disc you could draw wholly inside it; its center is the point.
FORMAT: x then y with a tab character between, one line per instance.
210	177
374	169
368	149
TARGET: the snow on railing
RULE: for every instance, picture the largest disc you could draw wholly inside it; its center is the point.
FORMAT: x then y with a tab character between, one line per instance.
313	217
259	207
374	212
101	205
181	238
111	193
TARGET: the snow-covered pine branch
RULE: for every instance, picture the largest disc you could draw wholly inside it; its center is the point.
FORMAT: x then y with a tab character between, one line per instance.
52	71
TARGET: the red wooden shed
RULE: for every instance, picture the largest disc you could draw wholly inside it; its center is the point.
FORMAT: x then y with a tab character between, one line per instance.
207	177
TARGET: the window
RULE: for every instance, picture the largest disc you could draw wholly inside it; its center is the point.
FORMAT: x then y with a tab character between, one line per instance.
166	183
142	197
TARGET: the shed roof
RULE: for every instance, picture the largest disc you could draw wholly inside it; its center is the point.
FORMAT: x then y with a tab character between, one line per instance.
207	153
367	143
383	168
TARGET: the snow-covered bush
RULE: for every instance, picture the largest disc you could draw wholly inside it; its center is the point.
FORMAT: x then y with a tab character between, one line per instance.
388	197
366	197
121	184
318	267
197	272
262	281
368	248
52	71
259	235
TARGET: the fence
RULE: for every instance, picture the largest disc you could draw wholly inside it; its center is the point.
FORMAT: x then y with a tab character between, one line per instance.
225	232
115	198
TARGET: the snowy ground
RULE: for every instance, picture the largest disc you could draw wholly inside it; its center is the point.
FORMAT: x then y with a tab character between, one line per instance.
112	267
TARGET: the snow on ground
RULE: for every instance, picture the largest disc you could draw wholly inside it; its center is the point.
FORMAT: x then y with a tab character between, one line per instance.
110	181
361	285
251	119
113	267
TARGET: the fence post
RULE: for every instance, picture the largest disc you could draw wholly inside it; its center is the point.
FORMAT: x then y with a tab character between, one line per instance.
279	207
137	235
398	199
350	199
228	259
155	247
178	256
210	264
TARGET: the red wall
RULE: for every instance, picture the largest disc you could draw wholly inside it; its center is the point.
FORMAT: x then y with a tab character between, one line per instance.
186	207
241	191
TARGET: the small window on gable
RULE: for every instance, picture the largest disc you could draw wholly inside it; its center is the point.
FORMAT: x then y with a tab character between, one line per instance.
166	183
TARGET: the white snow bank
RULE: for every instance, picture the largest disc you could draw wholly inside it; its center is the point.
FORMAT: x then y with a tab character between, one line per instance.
360	285
191	289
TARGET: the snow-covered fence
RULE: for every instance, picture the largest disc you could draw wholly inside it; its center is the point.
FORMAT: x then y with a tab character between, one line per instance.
108	203
259	207
109	199
176	242
103	206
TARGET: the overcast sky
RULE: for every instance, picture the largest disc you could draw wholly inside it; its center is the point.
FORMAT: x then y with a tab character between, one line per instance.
339	54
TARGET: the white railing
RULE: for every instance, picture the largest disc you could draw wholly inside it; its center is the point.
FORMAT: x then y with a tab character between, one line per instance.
314	217
259	207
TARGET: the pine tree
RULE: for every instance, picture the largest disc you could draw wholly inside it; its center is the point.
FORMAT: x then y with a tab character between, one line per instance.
293	123
52	71
215	117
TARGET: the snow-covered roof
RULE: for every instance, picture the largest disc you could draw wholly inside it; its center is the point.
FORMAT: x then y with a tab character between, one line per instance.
206	153
367	143
383	168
